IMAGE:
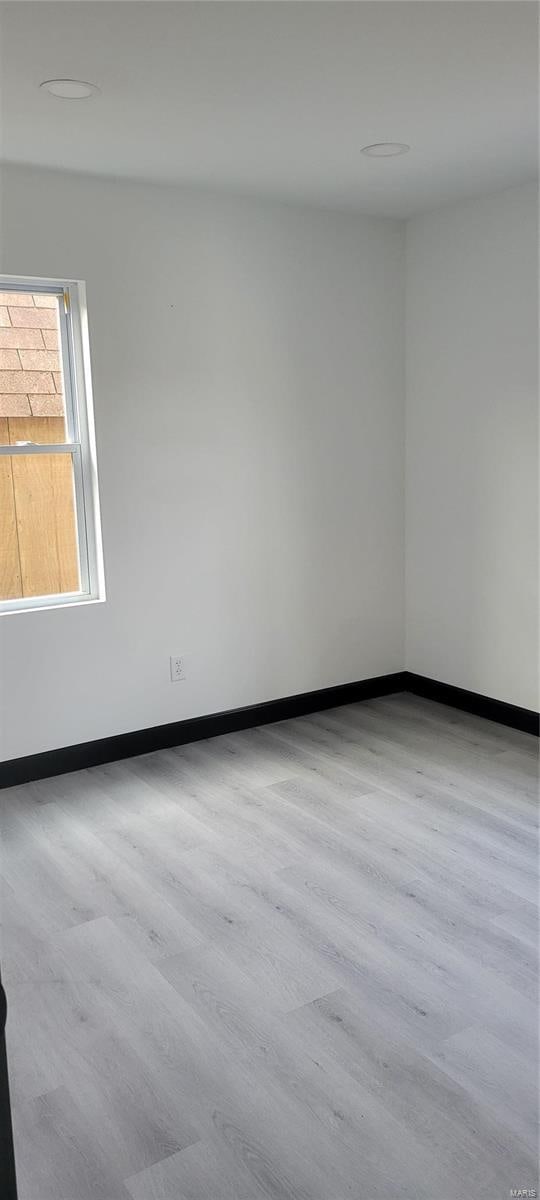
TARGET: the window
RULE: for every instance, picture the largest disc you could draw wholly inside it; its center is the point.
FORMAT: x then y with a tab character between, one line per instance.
50	544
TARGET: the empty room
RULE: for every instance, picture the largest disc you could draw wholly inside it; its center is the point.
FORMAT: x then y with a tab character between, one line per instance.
269	599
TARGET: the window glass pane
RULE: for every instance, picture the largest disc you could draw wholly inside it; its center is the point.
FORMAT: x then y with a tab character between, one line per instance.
31	380
38	543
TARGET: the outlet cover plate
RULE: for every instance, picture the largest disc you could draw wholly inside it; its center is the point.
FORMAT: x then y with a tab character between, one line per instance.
178	671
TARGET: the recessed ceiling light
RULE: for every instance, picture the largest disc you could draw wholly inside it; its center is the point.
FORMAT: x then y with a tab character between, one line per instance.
385	149
69	89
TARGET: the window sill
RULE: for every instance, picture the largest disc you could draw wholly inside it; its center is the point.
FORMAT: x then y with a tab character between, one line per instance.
42	605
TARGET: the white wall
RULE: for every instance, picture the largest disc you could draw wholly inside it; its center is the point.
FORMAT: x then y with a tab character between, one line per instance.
248	382
472	446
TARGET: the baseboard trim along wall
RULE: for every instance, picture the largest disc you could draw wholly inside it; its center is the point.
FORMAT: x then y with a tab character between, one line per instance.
482	706
177	733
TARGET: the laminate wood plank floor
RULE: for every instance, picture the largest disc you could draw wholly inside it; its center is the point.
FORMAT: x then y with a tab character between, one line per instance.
296	962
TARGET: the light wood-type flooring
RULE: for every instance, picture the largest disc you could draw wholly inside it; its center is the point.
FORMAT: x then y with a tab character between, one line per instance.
296	962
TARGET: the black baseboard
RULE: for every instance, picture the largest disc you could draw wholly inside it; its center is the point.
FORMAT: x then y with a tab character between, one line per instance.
143	741
482	706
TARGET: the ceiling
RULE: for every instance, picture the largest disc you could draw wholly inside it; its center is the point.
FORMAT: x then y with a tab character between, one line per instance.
279	97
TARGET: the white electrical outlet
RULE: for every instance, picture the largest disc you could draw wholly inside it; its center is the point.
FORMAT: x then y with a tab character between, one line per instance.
178	671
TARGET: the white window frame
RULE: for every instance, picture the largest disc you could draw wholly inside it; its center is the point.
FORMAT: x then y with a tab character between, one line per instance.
80	441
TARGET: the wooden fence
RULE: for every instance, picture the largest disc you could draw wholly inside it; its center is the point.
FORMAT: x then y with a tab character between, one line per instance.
38	540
